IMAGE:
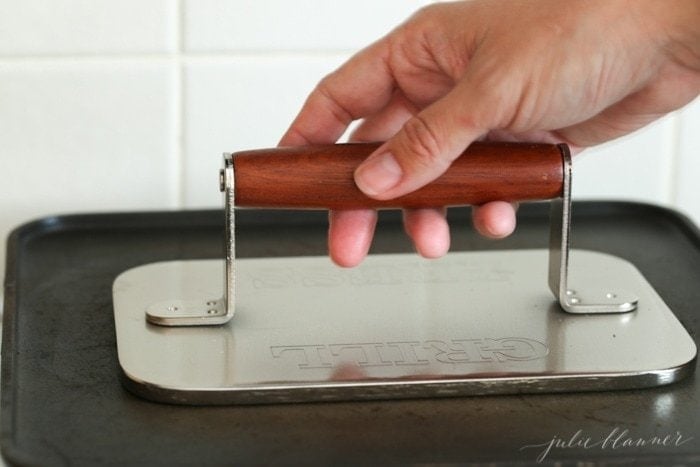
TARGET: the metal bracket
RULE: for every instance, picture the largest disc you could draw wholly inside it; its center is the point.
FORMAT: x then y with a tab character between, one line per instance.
213	311
219	311
575	301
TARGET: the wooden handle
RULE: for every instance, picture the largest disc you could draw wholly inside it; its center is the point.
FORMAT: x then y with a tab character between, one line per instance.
321	177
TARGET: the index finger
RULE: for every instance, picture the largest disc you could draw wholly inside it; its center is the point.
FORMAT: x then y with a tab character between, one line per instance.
359	88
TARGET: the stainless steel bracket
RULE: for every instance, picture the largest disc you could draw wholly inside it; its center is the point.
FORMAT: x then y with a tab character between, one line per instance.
573	300
217	311
208	311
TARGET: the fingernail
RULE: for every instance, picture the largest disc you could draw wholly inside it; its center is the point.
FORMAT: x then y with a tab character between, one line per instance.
378	174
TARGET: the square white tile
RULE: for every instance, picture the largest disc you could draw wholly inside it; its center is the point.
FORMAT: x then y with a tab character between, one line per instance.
225	25
46	27
637	167
238	104
85	136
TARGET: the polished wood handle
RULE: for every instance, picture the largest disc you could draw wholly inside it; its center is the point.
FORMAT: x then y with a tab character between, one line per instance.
321	177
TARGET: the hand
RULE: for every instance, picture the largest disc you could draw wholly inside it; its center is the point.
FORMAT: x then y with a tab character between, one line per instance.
580	72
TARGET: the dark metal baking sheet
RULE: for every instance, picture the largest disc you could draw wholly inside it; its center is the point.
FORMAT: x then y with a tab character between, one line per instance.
62	402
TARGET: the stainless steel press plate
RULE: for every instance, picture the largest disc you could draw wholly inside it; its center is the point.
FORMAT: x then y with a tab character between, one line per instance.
396	327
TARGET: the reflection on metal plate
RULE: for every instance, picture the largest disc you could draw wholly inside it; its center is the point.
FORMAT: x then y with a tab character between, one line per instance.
395	327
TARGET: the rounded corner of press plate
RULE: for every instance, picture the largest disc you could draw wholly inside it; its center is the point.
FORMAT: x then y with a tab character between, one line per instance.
679	372
693	353
143	389
163	394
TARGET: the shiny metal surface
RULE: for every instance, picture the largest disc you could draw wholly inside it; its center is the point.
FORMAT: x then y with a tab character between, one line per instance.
206	310
395	327
598	298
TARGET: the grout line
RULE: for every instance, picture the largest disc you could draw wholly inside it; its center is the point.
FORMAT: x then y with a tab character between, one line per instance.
181	27
179	96
146	56
674	164
268	53
178	161
98	57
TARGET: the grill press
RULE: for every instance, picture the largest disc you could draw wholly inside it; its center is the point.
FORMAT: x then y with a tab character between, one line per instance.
299	329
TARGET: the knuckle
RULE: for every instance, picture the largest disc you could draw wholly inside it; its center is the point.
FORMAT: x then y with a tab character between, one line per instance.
421	143
325	83
426	14
333	100
422	20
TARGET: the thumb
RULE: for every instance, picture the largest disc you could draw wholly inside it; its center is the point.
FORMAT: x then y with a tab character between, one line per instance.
422	150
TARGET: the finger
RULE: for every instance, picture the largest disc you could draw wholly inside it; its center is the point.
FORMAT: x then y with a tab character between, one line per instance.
350	235
426	145
350	232
606	126
427	228
429	231
495	219
387	122
360	87
635	111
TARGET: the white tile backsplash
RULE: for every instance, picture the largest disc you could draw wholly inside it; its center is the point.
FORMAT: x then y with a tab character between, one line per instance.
128	105
45	27
637	167
78	137
260	25
238	104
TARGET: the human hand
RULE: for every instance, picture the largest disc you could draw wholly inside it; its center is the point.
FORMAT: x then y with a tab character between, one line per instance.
580	72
